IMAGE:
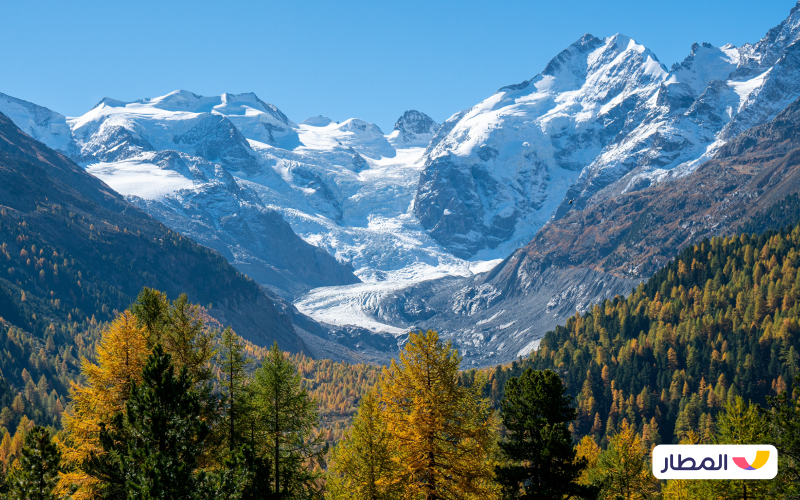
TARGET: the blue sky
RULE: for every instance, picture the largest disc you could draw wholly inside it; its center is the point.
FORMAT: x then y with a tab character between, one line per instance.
371	60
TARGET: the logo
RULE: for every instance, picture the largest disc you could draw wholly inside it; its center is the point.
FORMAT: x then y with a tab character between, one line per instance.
722	461
761	459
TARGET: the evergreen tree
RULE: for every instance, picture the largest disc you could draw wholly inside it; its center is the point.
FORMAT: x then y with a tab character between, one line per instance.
236	393
187	339
361	465
36	475
539	446
152	450
784	423
739	423
151	308
443	432
287	418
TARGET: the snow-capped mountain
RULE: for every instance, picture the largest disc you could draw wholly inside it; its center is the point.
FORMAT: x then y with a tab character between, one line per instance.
229	170
413	129
212	128
317	203
42	124
497	171
600	111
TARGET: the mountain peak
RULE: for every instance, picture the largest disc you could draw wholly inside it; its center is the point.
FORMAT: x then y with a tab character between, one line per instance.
581	47
317	121
415	122
414	127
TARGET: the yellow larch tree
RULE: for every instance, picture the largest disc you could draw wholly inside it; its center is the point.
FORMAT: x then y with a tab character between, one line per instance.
121	355
361	464
444	433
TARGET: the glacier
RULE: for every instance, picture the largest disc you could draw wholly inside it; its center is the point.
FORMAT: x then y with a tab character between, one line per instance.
360	227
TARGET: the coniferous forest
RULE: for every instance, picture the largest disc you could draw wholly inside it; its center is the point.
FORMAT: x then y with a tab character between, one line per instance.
161	401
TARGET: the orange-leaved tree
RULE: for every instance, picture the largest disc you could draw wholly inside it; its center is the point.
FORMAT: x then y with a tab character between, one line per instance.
444	432
121	355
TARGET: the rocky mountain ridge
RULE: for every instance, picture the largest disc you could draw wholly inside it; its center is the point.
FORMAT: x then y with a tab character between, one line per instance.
550	175
602	110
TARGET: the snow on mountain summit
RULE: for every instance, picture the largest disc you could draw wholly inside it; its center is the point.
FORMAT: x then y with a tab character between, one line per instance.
497	171
39	122
164	122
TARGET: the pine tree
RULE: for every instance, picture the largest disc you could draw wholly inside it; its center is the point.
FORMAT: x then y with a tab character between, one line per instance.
237	395
288	417
151	308
539	446
740	423
188	340
361	465
152	450
444	432
121	355
784	430
36	475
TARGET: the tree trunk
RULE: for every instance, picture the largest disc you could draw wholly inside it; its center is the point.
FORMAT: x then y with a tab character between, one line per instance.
277	443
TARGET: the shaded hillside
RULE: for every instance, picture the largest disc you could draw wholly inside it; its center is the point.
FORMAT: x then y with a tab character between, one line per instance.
73	248
783	213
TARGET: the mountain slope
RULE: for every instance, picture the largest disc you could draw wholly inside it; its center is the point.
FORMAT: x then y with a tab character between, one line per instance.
719	321
177	187
604	117
605	249
634	233
56	216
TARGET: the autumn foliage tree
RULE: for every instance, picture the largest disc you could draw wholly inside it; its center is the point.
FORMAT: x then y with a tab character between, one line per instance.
623	470
121	356
443	432
362	465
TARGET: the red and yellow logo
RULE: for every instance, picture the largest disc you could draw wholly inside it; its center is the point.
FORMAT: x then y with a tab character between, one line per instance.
760	461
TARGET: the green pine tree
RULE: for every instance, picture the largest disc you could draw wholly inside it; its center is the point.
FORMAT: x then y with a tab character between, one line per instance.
288	417
188	340
539	448
236	393
39	463
151	308
784	430
152	450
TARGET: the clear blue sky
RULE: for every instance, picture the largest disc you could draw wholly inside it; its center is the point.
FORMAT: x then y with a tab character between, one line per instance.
371	59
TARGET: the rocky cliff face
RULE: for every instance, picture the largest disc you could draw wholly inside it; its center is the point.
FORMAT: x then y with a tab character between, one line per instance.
601	111
414	128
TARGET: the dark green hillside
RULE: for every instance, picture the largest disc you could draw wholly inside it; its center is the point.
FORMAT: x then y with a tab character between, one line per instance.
54	211
73	253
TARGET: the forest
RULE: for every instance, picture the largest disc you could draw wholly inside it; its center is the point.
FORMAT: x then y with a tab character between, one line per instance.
161	401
